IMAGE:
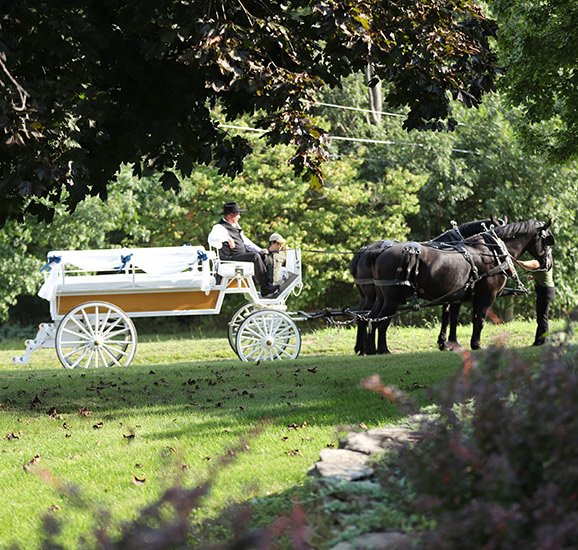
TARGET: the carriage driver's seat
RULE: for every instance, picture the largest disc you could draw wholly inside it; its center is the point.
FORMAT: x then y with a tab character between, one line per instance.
231	268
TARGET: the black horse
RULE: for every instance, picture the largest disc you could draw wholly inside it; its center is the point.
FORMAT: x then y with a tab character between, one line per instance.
451	311
476	272
361	270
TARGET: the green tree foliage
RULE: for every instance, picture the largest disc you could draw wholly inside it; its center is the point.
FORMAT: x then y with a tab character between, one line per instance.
340	218
538	44
86	86
479	169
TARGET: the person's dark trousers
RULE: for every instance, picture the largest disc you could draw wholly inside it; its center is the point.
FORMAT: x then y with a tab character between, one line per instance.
257	260
544	297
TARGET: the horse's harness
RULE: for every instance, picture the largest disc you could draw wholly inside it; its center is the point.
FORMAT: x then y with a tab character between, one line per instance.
408	270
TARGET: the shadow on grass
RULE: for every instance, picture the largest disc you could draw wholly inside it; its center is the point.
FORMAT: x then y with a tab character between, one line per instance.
227	392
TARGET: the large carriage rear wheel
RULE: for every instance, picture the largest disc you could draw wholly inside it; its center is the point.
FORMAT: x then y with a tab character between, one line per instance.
238	317
96	334
266	335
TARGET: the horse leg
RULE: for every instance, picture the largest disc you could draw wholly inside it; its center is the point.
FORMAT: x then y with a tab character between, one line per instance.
382	337
454	315
361	337
481	307
392	298
370	348
361	324
371	301
442	341
376	307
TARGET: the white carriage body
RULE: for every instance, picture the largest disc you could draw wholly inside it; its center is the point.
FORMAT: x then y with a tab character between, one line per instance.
150	282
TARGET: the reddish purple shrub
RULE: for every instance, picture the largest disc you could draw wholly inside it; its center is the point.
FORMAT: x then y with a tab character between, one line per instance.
498	468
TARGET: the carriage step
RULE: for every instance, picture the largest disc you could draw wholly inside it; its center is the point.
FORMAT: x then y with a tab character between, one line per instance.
284	284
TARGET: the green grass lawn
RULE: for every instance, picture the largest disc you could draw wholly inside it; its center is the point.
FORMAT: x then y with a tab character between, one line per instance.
186	401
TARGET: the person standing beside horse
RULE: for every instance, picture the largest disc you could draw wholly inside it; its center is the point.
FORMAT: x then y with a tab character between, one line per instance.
545	294
232	244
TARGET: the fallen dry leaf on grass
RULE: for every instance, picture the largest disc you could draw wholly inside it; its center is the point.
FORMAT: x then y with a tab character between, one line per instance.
28	466
139	480
296	426
293	452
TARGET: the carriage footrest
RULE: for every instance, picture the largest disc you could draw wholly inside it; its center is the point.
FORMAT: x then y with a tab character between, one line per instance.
44	339
286	282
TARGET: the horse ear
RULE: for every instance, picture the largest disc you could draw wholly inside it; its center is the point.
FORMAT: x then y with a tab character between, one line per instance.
505	219
548	224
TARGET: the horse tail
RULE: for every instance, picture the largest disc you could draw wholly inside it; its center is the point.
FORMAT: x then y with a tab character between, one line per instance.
355	261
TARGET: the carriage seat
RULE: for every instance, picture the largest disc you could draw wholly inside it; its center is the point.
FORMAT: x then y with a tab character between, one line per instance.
231	268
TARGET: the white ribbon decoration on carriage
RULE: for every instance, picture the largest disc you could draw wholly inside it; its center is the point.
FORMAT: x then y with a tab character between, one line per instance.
153	261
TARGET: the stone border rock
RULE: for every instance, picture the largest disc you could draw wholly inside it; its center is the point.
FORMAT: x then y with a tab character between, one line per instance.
351	462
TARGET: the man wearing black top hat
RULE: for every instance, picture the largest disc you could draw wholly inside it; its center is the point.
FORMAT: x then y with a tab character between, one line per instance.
228	238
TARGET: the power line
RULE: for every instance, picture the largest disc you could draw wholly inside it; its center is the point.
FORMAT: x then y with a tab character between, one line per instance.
385	113
335	106
358	140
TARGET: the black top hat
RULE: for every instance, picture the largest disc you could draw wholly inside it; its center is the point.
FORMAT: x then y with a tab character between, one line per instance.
230	207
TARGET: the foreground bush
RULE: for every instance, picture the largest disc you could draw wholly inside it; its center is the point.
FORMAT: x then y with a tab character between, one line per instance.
497	468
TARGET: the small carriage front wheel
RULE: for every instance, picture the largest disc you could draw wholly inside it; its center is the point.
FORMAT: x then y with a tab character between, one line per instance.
96	334
266	335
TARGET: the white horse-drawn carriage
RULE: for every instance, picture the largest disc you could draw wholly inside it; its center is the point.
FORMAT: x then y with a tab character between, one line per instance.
94	294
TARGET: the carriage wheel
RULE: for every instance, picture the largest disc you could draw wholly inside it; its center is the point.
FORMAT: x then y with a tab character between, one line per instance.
96	334
267	335
238	317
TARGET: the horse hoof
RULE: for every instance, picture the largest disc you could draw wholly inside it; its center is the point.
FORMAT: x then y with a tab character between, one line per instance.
452	346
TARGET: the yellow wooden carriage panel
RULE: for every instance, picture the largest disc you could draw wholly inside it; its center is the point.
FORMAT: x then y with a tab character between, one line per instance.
136	302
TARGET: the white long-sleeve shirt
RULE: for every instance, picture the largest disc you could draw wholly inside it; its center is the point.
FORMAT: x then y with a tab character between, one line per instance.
219	235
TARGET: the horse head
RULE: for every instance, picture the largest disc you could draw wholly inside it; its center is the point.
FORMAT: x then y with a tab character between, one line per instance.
541	246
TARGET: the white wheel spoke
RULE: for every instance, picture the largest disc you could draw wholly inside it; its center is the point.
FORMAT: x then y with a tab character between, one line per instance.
256	329
108	312
96	320
282	350
252	338
102	358
69	343
82	356
117	351
82	327
87	322
110	335
76	350
112	325
112	357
